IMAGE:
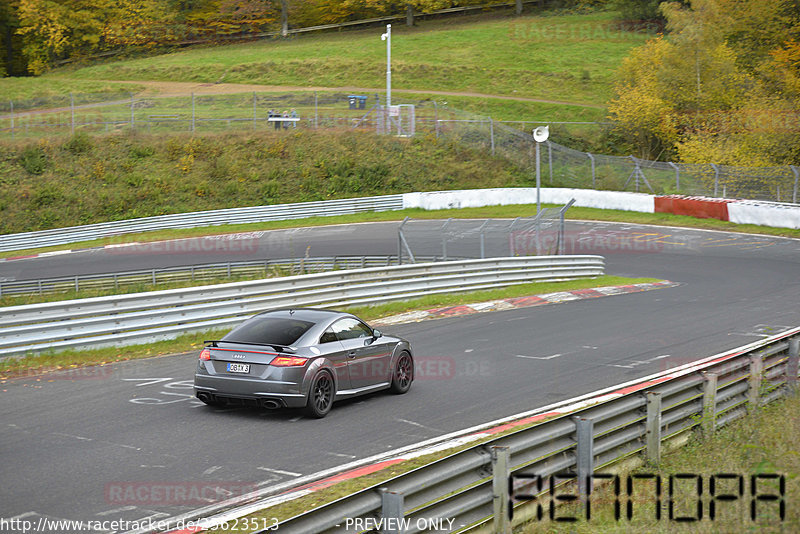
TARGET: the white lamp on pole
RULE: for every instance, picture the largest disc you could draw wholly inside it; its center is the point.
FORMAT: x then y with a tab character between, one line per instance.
388	38
540	135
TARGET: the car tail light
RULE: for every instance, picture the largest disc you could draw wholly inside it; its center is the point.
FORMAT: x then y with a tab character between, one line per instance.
205	354
288	361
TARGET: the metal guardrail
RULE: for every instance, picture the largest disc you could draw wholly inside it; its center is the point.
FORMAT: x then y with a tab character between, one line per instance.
323	208
195	273
471	487
144	317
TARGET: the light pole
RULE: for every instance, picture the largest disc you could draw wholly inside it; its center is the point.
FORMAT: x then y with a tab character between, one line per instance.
388	38
540	135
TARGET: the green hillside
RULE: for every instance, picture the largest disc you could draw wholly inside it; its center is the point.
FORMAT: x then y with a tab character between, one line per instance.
93	179
560	57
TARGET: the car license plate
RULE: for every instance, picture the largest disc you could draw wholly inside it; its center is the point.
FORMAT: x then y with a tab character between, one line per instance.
238	367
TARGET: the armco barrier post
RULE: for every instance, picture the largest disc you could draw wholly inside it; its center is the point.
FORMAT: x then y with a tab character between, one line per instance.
653	431
754	382
584	451
392	507
791	364
709	421
501	493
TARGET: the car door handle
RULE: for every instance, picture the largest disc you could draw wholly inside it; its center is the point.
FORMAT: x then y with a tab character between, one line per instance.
351	354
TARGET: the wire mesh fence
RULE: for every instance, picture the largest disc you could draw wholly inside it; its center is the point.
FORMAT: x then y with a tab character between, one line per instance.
190	274
561	166
540	235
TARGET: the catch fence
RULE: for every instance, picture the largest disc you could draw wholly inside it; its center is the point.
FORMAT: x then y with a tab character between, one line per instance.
540	235
561	166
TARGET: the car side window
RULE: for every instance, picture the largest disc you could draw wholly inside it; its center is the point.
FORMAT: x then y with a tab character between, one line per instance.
351	329
328	336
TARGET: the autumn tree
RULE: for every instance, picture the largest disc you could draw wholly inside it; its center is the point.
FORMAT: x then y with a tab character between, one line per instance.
714	89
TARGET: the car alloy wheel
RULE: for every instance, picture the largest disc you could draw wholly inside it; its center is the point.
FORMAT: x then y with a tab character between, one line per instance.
403	373
320	397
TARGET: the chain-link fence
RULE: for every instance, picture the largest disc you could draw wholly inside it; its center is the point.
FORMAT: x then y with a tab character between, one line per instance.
540	235
561	166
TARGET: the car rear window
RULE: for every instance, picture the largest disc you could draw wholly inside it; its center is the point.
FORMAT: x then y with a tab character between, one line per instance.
269	330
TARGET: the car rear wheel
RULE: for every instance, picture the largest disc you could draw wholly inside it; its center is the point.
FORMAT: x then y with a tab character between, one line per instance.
403	373
320	397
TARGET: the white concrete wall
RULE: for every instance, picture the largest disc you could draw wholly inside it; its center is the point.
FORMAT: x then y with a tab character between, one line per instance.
764	214
473	198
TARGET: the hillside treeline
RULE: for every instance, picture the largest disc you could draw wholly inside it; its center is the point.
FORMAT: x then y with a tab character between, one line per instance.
39	34
722	86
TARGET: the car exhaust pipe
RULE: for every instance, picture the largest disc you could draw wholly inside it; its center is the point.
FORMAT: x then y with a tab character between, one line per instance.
203	396
271	404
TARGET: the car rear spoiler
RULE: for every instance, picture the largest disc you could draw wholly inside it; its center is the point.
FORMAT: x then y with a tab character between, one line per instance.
278	348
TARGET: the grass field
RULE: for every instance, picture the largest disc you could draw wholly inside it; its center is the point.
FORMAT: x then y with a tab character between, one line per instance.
550	56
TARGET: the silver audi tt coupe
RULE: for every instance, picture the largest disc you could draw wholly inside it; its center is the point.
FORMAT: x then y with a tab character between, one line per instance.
301	358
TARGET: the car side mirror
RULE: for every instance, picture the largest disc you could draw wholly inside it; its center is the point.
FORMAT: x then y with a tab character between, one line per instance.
376	334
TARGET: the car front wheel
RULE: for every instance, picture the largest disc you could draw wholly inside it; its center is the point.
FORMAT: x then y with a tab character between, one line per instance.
403	373
320	397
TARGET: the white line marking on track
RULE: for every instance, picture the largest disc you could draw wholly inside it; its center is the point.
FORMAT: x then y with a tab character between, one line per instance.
72	436
280	472
539	357
413	423
23	516
343	455
212	469
117	510
621	366
469	350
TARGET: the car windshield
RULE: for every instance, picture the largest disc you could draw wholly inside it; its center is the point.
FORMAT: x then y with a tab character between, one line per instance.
269	330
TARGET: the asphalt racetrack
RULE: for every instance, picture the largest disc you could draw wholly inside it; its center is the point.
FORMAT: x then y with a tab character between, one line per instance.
115	442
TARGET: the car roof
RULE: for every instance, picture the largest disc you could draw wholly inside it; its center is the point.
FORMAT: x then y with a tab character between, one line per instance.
314	315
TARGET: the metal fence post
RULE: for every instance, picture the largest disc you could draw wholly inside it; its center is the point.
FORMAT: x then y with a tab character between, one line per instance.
133	121
796	176
72	113
584	451
591	158
392	507
653	431
792	364
491	133
709	421
550	159
77	284
254	110
754	382
501	494
716	178
193	116
677	176
444	239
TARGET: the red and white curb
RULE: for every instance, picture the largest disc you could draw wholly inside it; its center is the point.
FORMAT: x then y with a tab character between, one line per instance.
487	430
520	302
